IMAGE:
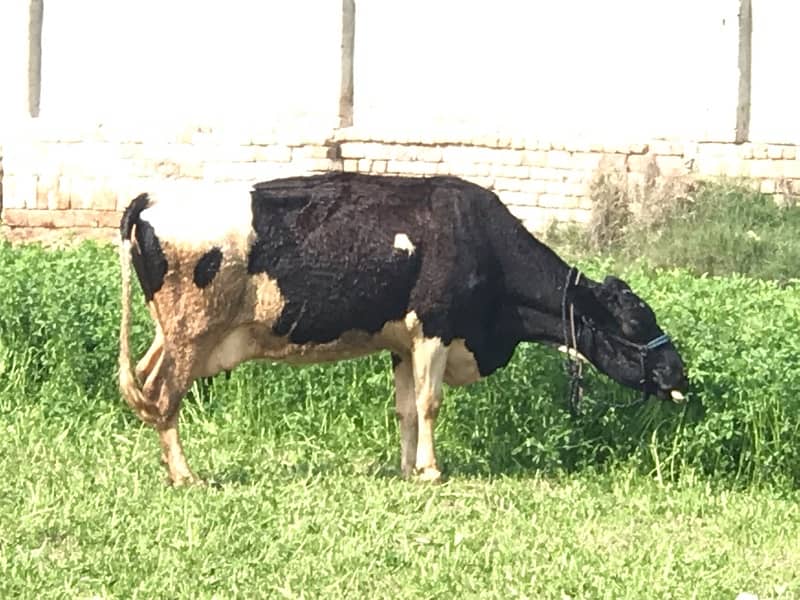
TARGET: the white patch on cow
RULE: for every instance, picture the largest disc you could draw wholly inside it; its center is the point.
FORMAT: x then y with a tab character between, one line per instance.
412	321
677	396
429	360
462	368
402	242
200	216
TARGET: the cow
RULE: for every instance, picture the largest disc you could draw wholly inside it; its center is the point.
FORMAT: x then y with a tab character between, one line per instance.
437	271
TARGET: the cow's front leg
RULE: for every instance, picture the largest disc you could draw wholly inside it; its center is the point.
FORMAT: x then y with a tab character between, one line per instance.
429	359
406	410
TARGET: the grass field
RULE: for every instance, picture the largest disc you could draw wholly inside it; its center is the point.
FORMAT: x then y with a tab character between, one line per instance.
304	498
84	513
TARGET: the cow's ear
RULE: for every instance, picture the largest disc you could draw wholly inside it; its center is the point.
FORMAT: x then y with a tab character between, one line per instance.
587	303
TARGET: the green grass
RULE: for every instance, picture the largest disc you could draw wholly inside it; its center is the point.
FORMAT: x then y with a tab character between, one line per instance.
84	513
305	499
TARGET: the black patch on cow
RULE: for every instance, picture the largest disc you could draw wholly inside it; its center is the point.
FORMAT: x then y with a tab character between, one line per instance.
131	215
207	267
148	257
149	261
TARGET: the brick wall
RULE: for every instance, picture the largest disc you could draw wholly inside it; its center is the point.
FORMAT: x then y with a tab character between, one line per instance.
58	182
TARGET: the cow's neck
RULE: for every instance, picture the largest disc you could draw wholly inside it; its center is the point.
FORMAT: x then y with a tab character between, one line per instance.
534	275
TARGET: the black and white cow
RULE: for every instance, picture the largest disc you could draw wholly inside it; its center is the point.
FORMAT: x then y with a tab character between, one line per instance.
309	269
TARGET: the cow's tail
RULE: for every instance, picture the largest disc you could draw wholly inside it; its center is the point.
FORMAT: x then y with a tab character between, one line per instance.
128	384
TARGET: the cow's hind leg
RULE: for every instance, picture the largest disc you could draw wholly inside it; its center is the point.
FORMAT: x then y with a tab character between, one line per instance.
163	389
406	409
429	358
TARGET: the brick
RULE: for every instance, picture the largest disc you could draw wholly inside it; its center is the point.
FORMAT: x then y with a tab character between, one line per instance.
104	198
794	186
613	161
302	152
364	165
64	192
195	170
586	161
46	192
789	152
379	166
556	188
714	166
579	215
272	153
15	217
431	154
362	150
764	168
508	157
534	158
443	169
767	186
545	174
527	186
717	149
790	169
95	218
507	171
467	155
555	200
559	159
746	150
664	148
671	166
61	218
640	163
774	151
411	167
484	182
468	169
24	188
350	165
527	214
510	198
320	164
760	151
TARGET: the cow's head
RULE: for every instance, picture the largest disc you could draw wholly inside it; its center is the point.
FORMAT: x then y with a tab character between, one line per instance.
622	339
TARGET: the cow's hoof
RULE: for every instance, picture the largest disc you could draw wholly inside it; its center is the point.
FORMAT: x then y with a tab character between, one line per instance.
429	475
185	481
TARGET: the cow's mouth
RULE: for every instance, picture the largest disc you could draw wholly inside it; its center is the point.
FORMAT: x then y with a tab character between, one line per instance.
671	393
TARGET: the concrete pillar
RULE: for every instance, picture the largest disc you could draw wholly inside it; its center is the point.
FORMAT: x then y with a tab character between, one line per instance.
14	62
348	43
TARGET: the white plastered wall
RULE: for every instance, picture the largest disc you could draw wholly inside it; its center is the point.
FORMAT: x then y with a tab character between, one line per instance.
621	68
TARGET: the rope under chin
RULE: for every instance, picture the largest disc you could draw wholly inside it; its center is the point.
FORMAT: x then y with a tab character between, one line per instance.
572	364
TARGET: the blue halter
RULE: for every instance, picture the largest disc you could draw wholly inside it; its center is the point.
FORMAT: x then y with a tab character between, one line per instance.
656	342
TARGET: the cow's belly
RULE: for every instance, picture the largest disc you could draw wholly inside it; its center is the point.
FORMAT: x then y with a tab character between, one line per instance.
462	368
257	341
